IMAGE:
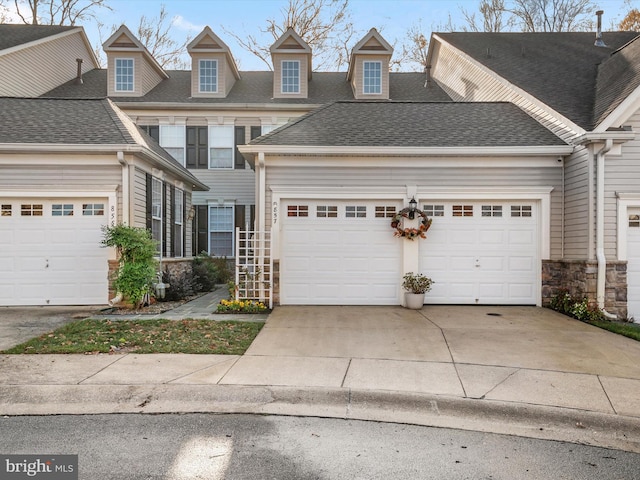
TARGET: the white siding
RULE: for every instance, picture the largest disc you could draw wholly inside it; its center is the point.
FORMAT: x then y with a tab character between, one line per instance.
622	175
576	205
33	71
425	177
67	175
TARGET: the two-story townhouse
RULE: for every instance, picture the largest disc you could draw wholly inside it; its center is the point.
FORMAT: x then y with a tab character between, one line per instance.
200	116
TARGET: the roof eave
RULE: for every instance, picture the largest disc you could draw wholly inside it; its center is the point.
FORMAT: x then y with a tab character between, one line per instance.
208	106
521	151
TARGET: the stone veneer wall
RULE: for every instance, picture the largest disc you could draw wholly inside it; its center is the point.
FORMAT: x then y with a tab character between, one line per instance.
176	266
580	278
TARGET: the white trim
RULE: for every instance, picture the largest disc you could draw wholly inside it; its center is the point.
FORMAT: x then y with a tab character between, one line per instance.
363	77
409	151
282	77
115	75
200	77
626	201
621	113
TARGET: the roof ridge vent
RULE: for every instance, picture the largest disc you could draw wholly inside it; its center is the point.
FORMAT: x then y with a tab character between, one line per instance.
599	41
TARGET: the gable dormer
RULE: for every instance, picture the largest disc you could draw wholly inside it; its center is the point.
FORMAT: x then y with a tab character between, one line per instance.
213	69
132	70
369	67
291	57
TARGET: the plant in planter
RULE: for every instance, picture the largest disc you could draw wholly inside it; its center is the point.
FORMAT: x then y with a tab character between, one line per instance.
416	285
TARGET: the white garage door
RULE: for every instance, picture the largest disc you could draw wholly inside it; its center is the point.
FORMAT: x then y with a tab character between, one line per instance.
339	253
50	252
633	266
482	253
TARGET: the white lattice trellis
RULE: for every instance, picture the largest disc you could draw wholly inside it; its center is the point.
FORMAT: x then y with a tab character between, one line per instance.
254	266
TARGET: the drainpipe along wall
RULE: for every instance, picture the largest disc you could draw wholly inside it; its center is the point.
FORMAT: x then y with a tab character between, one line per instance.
600	256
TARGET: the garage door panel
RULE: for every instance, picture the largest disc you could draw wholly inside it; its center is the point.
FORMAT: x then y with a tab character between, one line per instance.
483	256
633	265
52	260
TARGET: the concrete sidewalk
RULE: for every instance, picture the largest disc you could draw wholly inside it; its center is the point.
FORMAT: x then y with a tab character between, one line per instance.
518	370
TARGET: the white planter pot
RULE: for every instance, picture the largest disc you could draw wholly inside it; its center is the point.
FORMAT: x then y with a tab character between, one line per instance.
413	300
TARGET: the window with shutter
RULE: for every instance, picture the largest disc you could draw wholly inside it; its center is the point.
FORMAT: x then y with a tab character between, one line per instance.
239	140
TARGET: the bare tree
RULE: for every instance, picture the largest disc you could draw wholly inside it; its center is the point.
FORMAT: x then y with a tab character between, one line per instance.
631	21
57	12
154	33
412	53
324	24
553	15
493	17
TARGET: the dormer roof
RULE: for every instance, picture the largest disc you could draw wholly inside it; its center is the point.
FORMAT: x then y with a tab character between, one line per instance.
124	41
209	42
371	44
291	42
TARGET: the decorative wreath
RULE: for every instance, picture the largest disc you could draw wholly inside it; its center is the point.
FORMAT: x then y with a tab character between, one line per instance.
410	233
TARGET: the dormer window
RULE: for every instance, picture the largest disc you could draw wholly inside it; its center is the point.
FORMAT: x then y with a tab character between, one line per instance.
290	76
124	75
209	76
372	77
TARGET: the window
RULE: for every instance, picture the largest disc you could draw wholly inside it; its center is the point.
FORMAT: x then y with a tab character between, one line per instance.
221	146
385	212
156	211
178	223
92	209
124	74
152	130
520	210
209	76
62	210
297	211
491	210
634	221
31	210
372	77
290	76
327	211
221	231
5	210
172	139
356	211
463	210
433	210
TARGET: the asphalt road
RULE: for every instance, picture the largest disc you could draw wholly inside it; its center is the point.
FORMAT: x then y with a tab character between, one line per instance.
213	447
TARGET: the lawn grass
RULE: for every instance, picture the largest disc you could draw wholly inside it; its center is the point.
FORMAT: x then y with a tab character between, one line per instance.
631	330
145	336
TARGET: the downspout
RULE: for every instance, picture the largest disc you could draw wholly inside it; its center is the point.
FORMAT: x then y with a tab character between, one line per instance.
600	256
125	209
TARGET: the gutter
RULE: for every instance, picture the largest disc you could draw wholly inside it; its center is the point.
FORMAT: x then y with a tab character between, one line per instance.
600	256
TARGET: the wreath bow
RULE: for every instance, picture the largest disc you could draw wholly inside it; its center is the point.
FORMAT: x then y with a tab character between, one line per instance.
410	233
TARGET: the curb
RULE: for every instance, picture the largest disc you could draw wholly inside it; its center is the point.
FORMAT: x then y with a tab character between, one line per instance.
533	421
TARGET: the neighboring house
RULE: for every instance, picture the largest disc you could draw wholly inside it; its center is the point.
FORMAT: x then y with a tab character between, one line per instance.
68	168
502	143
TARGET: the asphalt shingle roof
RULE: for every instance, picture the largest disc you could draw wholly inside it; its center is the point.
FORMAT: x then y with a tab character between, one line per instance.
560	69
253	87
617	78
58	121
13	35
413	124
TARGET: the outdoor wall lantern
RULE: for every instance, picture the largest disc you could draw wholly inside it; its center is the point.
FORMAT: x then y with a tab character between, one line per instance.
412	208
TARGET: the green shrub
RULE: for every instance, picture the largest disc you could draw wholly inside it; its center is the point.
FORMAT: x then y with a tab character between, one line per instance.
136	254
181	286
578	308
209	271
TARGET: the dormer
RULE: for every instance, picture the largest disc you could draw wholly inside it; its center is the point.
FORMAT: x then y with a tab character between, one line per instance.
291	57
213	69
132	70
368	71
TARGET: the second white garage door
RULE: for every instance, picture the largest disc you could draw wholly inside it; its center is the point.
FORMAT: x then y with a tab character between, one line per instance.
339	253
482	253
633	266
